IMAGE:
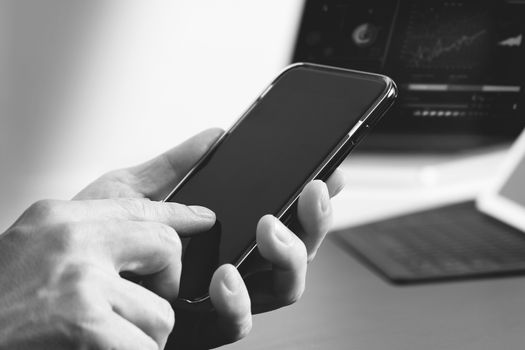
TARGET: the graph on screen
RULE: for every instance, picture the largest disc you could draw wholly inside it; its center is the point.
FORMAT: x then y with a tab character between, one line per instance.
462	41
446	35
429	54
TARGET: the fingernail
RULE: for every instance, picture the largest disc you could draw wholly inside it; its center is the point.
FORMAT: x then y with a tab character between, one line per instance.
324	203
231	281
281	233
202	211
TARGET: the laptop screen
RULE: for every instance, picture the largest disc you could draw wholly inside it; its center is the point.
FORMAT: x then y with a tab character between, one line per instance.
458	64
458	58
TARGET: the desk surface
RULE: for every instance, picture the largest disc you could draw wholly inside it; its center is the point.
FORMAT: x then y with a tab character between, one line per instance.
346	306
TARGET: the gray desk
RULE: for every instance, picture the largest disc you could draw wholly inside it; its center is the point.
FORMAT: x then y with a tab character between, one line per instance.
346	306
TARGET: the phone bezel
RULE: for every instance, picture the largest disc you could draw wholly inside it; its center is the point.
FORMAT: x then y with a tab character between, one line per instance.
385	99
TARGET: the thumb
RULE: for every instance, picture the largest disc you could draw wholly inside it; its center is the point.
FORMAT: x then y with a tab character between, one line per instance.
156	177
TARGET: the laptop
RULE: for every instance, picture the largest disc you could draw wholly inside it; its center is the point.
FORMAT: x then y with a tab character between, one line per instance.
480	238
458	65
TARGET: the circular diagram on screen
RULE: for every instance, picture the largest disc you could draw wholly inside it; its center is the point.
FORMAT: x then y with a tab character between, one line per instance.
365	35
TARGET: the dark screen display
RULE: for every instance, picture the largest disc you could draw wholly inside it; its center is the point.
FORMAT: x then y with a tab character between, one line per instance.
265	160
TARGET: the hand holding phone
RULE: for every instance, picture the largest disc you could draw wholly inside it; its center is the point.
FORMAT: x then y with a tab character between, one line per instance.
312	117
300	129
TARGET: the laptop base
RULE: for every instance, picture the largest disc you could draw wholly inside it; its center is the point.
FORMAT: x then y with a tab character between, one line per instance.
447	243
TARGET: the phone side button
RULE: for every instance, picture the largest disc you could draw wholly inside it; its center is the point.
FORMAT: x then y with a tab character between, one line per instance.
361	132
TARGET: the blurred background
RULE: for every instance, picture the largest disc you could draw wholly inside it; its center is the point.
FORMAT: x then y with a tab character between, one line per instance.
90	86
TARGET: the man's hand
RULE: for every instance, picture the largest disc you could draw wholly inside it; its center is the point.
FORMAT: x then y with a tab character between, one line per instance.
287	253
60	262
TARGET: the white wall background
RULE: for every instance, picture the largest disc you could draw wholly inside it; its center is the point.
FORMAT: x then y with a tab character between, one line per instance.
89	86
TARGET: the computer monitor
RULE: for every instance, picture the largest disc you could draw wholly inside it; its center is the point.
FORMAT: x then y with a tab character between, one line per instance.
459	65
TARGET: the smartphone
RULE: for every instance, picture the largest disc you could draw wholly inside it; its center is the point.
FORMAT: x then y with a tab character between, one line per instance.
300	128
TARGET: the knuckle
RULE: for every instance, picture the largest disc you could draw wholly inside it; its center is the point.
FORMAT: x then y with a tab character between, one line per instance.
77	271
79	279
45	209
65	237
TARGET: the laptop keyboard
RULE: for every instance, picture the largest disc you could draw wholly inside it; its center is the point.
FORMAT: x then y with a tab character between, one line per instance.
450	242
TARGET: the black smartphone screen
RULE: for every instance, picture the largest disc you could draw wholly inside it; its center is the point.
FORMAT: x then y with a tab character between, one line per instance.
265	160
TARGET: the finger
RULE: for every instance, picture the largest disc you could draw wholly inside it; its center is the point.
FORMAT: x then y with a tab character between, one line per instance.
335	183
230	298
159	175
314	211
149	312
150	249
166	282
138	247
116	332
287	253
185	219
